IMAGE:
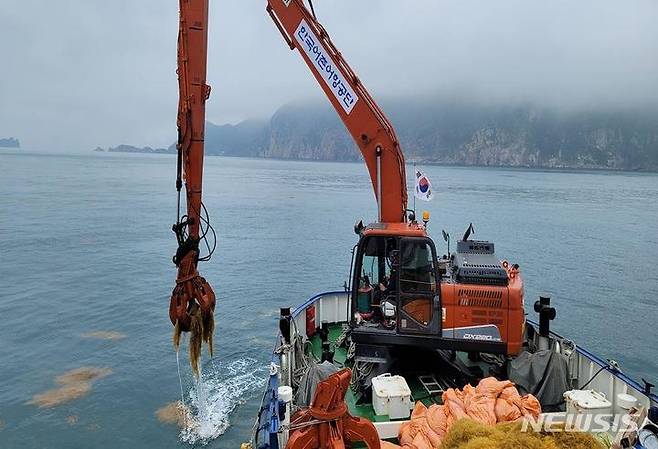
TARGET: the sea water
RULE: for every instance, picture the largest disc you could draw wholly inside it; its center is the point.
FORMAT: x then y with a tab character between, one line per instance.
86	248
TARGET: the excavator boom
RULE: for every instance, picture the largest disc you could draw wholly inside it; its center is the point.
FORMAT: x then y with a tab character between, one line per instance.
193	299
193	93
364	120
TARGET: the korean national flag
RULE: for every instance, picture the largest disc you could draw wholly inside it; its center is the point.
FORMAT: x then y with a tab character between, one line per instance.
423	190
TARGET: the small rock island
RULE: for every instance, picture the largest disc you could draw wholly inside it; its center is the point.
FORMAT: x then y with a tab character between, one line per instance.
132	149
10	143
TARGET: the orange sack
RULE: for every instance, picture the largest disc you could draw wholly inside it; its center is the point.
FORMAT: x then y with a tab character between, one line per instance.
437	419
493	387
491	402
454	404
506	411
481	408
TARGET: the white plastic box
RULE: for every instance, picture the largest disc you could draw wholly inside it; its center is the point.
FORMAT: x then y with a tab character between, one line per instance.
391	396
586	402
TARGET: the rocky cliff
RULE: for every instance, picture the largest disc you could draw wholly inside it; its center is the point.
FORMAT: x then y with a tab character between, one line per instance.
448	132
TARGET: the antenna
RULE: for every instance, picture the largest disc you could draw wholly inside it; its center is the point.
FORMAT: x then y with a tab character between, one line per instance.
470	230
446	237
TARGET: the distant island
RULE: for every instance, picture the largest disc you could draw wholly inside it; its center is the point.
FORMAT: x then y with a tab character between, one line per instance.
10	143
449	132
132	149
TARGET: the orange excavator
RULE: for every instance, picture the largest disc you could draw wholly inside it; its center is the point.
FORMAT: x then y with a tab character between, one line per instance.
402	296
402	293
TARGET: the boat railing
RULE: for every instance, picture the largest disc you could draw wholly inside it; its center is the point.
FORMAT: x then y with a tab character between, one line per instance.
267	423
599	366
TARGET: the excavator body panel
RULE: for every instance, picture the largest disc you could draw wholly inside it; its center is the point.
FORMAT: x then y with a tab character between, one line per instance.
403	295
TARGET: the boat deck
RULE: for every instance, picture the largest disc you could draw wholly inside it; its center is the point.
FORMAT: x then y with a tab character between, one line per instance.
365	410
586	370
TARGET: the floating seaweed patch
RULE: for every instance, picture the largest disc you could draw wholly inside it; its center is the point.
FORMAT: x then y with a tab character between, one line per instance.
74	384
174	413
105	335
84	374
61	395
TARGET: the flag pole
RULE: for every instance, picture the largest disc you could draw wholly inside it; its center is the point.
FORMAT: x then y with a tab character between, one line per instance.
415	188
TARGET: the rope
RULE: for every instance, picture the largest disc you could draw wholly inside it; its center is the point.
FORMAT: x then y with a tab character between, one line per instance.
342	337
310	2
594	376
301	361
351	350
360	372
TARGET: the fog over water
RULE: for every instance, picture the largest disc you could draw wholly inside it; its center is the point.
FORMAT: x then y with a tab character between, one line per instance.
77	74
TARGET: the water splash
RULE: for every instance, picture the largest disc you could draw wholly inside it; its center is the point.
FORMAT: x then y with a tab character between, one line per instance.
221	388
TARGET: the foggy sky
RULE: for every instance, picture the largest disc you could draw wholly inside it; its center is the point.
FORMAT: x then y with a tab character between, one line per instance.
75	74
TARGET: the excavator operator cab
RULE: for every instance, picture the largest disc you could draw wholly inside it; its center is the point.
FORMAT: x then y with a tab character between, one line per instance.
395	286
402	297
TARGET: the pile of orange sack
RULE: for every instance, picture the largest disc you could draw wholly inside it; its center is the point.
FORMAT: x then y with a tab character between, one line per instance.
491	402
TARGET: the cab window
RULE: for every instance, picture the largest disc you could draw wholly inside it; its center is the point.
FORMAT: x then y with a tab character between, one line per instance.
417	273
377	260
376	279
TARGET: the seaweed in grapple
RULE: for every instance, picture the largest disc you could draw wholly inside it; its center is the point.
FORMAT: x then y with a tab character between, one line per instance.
196	338
201	330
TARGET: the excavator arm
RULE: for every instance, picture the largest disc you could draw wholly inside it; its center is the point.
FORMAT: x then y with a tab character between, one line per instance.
193	300
365	121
